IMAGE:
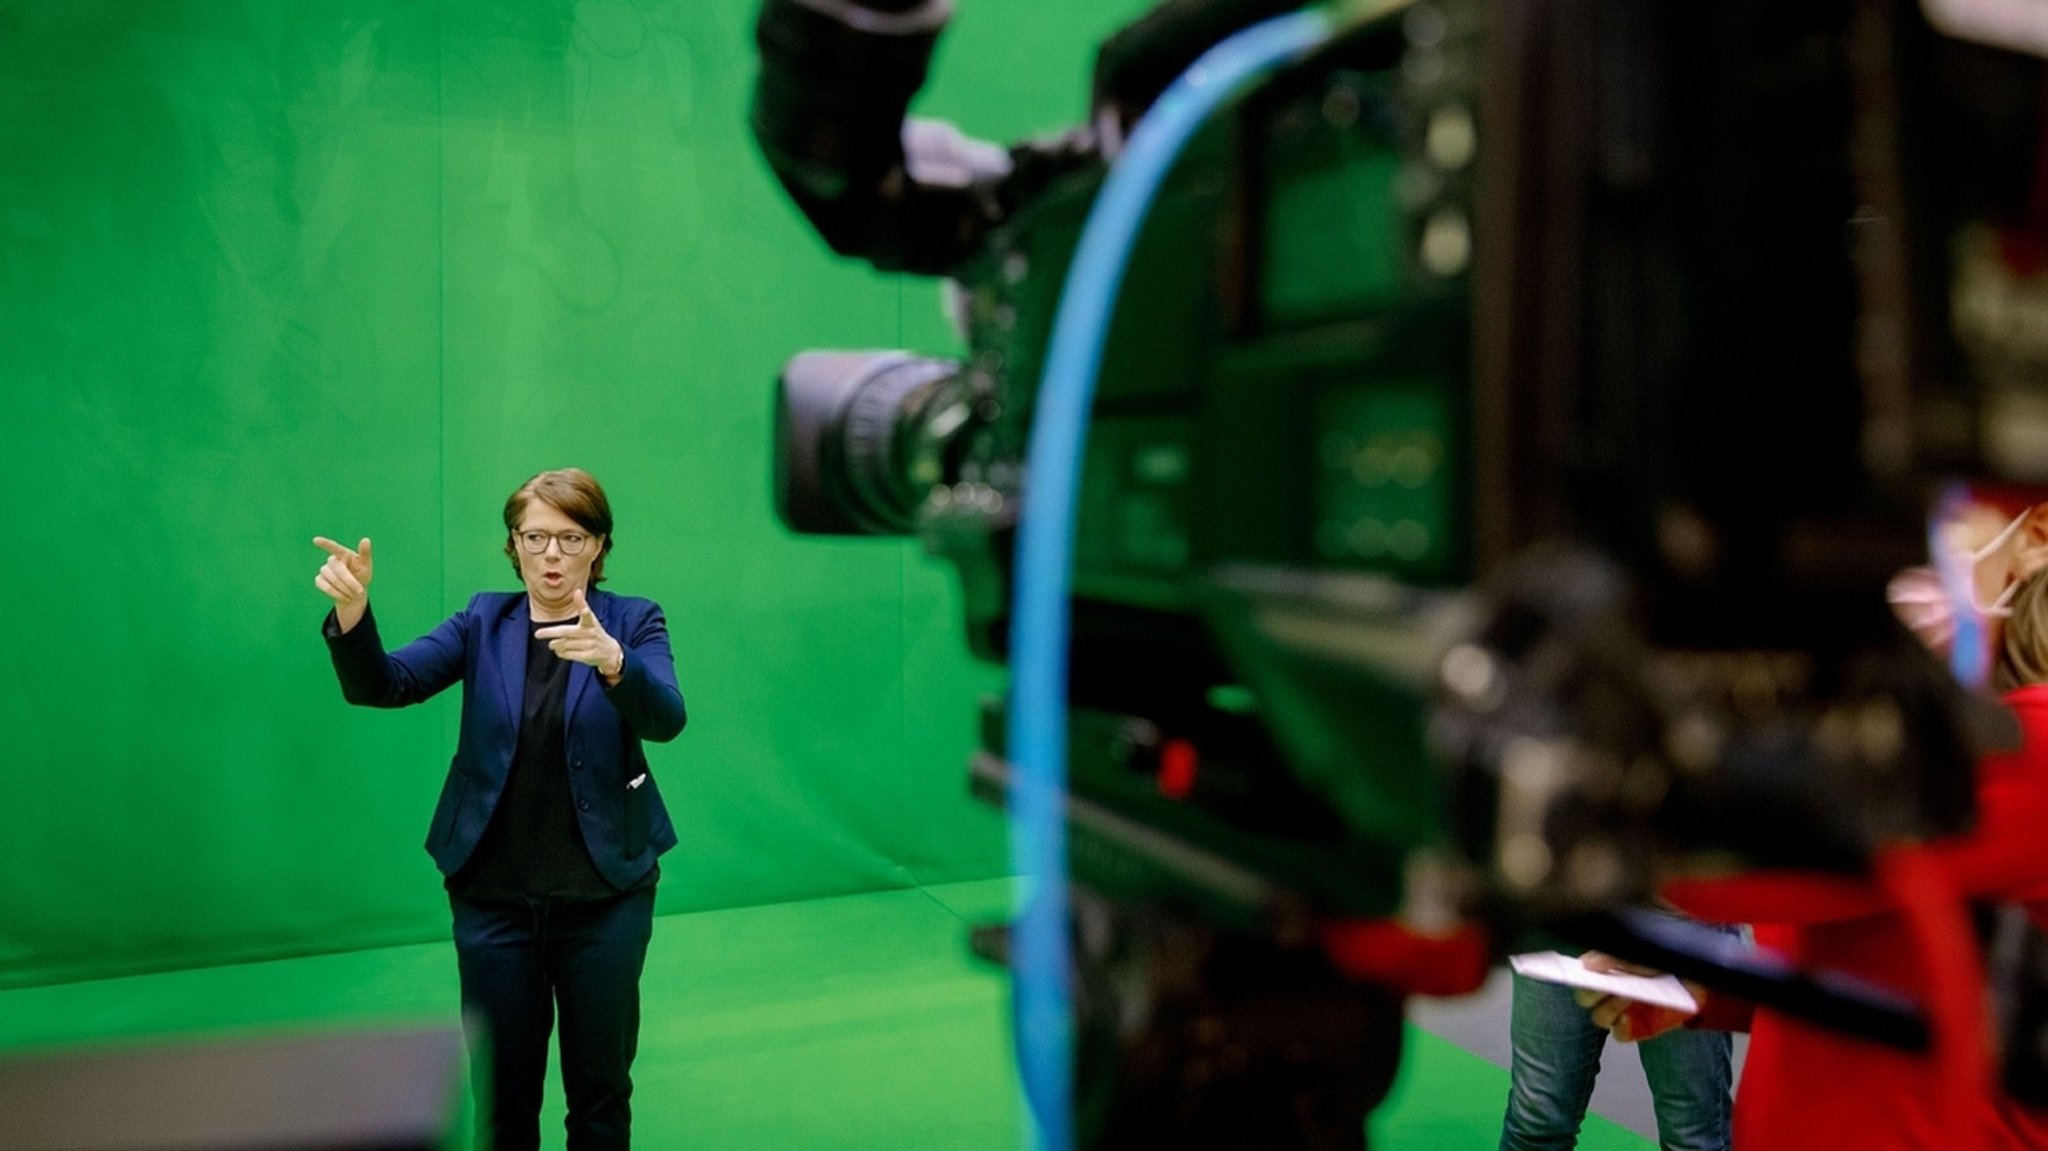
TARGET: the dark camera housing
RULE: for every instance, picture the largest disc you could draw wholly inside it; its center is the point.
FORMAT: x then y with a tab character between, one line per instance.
1422	311
1510	421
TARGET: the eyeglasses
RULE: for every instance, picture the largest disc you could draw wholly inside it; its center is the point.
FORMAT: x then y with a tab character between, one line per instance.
537	542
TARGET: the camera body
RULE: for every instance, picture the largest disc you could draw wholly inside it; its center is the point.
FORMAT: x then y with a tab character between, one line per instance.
1413	441
1507	429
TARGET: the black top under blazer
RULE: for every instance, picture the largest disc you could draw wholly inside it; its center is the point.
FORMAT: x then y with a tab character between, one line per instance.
625	824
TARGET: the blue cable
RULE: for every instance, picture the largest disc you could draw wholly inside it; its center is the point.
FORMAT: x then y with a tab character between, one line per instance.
1045	544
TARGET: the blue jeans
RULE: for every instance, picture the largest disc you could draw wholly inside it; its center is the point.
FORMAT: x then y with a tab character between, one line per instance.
1557	1055
522	960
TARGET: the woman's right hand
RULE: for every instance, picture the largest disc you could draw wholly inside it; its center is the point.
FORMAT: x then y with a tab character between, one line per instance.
345	577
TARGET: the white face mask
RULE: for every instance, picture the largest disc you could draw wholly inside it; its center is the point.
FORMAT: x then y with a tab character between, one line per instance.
2000	606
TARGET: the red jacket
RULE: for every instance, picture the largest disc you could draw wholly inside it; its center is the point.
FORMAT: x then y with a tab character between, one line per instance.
1804	1089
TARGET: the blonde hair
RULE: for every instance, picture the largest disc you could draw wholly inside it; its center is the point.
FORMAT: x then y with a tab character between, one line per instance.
2023	649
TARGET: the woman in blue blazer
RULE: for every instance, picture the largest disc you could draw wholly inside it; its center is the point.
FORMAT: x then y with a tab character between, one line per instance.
549	823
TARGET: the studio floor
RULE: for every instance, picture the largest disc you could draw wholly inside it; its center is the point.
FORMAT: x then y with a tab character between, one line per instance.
857	1023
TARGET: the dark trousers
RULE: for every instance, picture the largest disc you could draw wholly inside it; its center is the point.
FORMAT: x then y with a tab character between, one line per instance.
522	960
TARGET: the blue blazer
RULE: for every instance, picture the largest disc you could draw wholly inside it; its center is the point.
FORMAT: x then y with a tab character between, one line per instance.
483	646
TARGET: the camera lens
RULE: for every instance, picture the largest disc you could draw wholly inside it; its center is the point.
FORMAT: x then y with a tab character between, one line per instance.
861	438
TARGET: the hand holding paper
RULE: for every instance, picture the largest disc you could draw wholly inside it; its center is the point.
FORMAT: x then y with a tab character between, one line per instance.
1629	1004
1552	967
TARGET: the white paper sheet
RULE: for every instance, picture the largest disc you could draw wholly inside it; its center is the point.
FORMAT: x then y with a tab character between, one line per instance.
1551	967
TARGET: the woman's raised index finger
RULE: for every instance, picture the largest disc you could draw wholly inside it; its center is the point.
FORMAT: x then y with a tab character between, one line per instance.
339	551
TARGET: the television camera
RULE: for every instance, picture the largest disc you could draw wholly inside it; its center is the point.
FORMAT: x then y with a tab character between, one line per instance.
1506	428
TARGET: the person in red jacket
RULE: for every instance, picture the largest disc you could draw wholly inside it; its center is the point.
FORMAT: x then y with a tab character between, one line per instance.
1804	1087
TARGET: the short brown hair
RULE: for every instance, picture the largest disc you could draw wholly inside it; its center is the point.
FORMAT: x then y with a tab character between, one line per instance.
2023	649
576	494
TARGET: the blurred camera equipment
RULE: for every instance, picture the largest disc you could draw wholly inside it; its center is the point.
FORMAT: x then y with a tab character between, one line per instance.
1508	422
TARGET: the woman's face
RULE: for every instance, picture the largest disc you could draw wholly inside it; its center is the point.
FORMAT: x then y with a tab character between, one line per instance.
551	574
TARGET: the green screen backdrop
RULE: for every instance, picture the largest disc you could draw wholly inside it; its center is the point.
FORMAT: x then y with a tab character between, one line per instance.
358	267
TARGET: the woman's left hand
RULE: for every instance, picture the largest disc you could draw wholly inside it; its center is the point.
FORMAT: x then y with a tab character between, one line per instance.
586	641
